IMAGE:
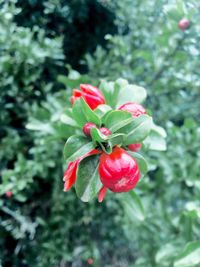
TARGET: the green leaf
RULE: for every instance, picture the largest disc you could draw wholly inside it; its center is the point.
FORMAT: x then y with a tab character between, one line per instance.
97	136
88	181
156	139
78	113
131	93
116	139
143	166
117	119
137	130
133	206
90	115
107	89
77	146
102	110
67	118
190	256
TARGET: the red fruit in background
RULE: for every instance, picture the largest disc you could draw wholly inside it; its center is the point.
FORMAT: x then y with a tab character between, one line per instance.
87	128
183	24
134	147
118	171
134	108
90	261
91	94
70	173
8	194
105	131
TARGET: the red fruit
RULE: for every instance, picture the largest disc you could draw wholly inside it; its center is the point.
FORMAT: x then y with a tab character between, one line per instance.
70	174
87	128
134	147
118	171
91	94
105	131
8	194
134	108
183	24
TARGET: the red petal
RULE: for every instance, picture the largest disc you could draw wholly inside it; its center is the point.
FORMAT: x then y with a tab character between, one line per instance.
70	175
102	193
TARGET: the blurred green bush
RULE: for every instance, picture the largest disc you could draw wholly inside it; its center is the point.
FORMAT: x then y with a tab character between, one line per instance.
39	224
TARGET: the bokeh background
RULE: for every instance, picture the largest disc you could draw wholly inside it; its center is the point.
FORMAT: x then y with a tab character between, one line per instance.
47	47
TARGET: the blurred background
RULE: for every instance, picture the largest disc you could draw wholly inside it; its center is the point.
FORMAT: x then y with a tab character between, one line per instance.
48	47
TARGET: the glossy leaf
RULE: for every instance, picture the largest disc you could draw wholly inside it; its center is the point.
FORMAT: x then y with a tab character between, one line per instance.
131	93
117	119
90	115
88	182
190	256
78	113
137	130
77	146
143	166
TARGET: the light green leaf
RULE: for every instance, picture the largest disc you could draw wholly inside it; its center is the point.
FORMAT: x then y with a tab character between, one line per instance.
90	115
117	119
137	130
88	181
190	256
97	136
102	110
77	146
131	93
78	113
143	166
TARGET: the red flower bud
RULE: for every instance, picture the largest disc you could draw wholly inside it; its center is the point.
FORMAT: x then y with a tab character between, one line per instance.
134	108
134	147
118	171
70	174
91	94
87	128
183	24
8	194
105	131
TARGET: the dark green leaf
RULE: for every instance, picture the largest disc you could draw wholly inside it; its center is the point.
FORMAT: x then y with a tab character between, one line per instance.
88	182
77	146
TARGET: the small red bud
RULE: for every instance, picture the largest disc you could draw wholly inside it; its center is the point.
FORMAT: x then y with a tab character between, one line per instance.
183	24
105	131
8	194
134	147
87	128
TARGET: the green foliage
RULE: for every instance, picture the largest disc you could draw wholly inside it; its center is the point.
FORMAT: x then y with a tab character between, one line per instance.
158	224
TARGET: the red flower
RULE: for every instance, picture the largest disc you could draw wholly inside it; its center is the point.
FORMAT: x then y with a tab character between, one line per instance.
105	131
69	177
136	110
91	94
118	171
